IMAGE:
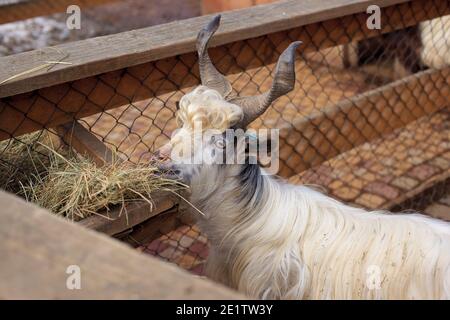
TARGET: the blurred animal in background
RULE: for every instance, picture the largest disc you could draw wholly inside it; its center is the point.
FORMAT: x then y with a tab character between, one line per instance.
409	50
273	240
435	37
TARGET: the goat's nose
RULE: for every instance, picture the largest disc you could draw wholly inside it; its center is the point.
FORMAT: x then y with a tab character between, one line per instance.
163	153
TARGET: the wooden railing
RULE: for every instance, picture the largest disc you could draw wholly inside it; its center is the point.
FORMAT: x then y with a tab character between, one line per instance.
38	248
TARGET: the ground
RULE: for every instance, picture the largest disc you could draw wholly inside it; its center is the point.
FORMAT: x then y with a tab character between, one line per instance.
96	21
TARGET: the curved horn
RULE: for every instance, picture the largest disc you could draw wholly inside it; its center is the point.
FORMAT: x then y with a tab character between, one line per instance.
283	82
208	73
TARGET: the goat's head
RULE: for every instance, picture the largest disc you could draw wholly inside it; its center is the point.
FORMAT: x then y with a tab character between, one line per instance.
201	144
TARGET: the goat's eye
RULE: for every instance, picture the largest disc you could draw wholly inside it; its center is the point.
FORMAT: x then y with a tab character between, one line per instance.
220	143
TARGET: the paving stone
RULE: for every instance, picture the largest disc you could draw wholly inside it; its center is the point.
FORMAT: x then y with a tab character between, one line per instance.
376	167
197	247
360	171
441	163
357	183
186	261
193	233
336	184
416	160
156	246
405	183
370	201
423	172
346	193
382	189
323	179
186	241
169	253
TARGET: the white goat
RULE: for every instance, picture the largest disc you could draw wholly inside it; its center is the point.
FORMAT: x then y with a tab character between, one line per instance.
413	49
435	37
270	239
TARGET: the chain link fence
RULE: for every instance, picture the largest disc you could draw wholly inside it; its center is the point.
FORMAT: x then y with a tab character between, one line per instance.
368	122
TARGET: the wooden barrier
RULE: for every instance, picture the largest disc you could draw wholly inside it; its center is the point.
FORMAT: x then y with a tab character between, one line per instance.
37	248
108	53
57	104
119	220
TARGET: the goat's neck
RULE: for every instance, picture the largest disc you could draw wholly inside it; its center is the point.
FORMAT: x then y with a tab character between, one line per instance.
228	198
248	216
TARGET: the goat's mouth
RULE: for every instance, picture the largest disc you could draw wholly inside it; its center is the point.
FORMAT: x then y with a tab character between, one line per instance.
169	170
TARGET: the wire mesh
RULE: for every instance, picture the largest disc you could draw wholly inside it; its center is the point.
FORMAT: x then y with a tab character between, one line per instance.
368	121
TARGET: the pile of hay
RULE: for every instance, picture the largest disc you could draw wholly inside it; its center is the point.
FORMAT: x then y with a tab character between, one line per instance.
73	186
25	157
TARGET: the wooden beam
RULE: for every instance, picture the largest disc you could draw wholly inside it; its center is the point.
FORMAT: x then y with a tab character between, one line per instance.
337	128
62	103
153	228
159	225
37	248
14	10
104	54
119	220
85	142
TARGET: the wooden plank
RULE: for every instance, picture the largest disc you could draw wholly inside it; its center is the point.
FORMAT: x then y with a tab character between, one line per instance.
158	225
37	248
120	220
153	228
85	142
15	10
103	54
341	127
62	103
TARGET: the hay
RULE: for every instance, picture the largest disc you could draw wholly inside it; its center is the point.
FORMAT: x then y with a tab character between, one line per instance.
46	65
73	186
24	157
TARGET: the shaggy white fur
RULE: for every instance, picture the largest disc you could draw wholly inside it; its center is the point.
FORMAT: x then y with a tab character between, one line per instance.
297	243
270	239
435	36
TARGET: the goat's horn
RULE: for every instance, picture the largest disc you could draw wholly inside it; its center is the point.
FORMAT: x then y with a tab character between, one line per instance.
283	82
208	73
